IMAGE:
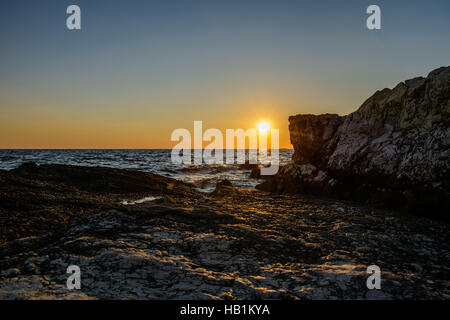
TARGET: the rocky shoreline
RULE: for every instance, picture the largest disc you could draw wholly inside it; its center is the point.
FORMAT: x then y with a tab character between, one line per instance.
231	244
394	151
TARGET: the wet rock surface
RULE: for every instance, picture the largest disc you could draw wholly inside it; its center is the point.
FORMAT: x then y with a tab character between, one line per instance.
393	151
37	199
231	244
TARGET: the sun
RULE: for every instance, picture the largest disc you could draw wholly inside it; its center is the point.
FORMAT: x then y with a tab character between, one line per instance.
263	127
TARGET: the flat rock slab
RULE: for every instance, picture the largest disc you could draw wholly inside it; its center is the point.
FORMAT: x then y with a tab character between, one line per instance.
241	245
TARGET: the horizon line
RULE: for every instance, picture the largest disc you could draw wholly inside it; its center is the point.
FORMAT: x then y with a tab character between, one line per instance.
5	149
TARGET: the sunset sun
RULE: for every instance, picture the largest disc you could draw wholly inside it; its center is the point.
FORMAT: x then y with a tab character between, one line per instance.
263	127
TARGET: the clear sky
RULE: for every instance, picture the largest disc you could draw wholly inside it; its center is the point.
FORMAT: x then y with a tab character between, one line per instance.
140	69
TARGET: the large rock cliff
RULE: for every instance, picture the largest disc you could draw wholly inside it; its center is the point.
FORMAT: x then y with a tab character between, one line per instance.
394	150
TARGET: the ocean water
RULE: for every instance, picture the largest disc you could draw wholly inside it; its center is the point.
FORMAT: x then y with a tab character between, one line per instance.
203	177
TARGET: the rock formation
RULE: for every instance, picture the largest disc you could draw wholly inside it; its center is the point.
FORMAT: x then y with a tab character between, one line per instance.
37	199
394	150
230	244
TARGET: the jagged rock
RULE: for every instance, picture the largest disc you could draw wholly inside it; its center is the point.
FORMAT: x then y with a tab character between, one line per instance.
304	178
309	133
394	150
223	187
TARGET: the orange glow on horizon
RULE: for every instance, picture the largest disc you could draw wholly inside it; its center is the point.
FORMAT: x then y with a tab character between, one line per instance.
264	127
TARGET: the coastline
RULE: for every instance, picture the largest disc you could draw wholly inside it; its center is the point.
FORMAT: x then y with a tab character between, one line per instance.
230	244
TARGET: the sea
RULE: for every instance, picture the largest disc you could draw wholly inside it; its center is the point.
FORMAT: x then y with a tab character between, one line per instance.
203	177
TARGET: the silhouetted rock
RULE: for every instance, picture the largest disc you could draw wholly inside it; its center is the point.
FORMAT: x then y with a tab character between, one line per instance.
256	173
224	183
394	150
27	167
309	134
248	166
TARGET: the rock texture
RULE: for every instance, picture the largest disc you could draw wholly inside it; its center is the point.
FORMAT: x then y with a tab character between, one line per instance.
394	150
37	199
230	244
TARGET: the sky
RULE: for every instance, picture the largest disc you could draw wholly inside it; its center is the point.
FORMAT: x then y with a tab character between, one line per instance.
138	70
